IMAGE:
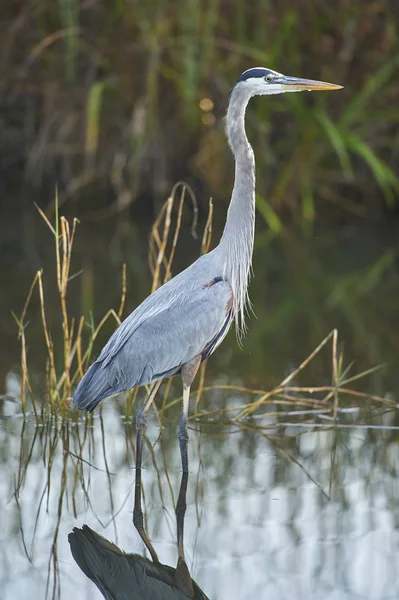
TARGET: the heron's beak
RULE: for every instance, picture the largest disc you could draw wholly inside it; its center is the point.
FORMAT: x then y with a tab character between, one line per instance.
295	84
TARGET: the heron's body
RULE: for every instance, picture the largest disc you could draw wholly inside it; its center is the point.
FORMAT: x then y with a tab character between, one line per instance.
185	318
183	322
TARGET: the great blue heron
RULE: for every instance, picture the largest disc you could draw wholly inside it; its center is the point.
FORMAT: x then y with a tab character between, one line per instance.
185	320
121	576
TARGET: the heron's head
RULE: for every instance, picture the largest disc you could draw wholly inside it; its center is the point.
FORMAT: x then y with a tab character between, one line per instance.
263	82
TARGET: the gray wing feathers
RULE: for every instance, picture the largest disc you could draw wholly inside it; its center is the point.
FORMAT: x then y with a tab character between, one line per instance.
97	383
171	294
156	339
177	335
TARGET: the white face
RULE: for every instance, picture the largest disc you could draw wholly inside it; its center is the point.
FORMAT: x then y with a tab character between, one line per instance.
266	82
262	86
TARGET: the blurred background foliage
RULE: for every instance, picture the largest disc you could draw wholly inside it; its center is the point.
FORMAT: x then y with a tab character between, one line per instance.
118	100
114	102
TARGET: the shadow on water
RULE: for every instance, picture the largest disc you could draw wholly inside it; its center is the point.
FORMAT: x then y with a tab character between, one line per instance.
292	505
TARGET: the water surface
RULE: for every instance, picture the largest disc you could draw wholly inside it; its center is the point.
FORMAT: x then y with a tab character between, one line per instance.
295	511
290	506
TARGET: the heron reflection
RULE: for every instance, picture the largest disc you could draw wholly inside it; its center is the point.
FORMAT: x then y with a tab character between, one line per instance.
122	576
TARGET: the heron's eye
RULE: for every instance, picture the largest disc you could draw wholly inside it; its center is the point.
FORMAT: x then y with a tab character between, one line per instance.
268	78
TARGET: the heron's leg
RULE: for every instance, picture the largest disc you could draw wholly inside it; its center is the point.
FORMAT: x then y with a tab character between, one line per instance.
188	372
138	517
182	578
182	431
180	514
141	421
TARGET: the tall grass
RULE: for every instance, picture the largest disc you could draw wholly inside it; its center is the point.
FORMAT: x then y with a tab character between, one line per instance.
77	335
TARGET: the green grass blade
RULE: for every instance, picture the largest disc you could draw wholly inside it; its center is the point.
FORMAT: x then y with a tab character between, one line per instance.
385	177
337	141
374	84
361	375
93	114
270	217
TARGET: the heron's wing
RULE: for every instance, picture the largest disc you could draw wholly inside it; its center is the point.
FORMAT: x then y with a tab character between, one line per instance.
160	344
176	336
173	293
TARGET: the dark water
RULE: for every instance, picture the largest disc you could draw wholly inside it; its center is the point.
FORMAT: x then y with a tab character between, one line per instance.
278	506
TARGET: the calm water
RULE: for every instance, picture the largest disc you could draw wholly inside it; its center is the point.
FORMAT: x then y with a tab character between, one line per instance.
278	506
308	513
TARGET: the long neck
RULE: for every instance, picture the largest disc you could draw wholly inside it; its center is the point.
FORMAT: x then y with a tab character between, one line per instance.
236	245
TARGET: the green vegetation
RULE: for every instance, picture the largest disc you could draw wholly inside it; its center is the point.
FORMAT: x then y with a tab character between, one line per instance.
69	452
115	101
112	102
64	369
105	95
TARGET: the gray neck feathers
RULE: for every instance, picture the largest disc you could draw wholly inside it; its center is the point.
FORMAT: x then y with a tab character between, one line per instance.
236	245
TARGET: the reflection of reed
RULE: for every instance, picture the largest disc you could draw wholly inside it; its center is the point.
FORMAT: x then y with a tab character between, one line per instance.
61	475
61	450
125	576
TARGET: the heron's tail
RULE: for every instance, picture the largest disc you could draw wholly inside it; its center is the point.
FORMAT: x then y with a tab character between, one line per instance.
93	387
